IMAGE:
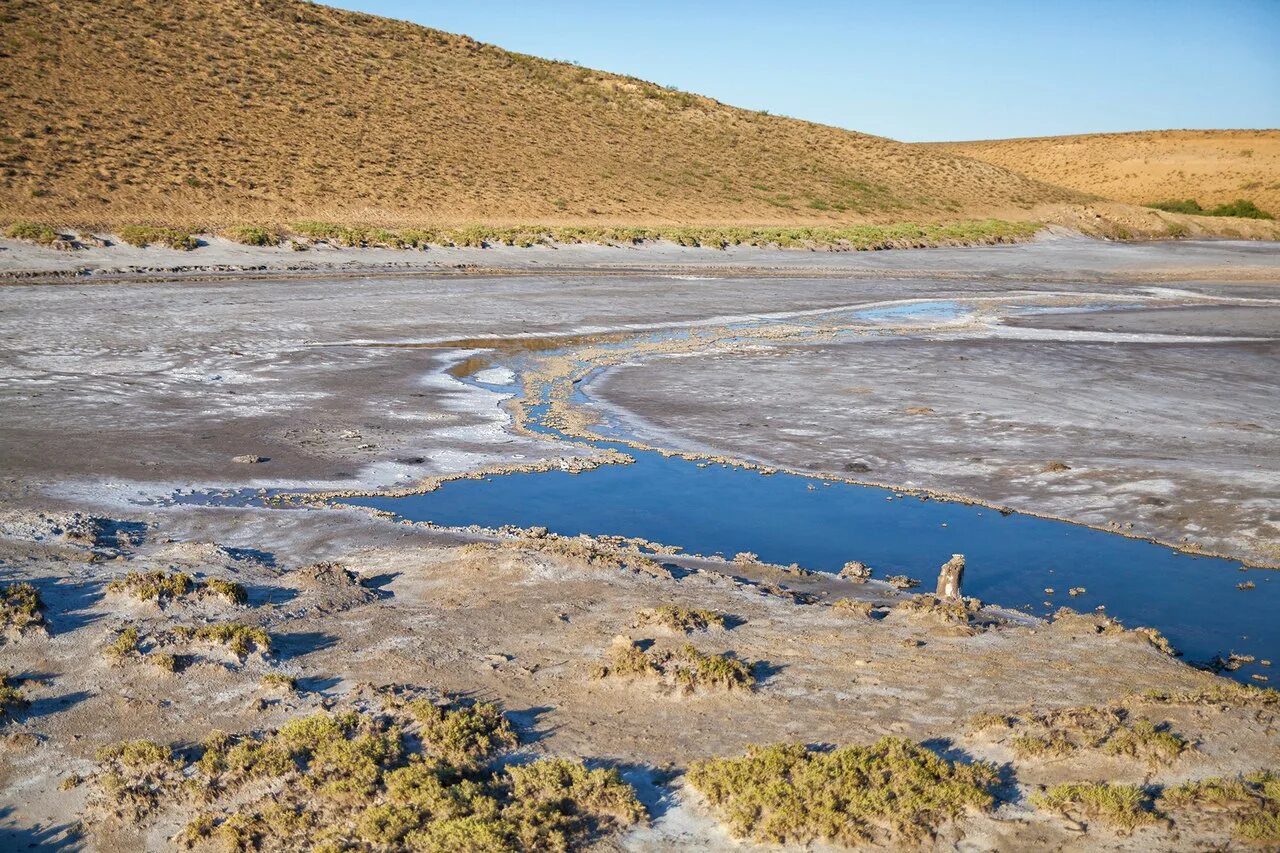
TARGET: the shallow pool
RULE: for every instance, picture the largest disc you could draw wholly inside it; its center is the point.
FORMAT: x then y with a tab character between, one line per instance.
1012	558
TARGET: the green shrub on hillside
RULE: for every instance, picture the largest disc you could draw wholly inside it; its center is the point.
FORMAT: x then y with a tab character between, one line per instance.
1240	207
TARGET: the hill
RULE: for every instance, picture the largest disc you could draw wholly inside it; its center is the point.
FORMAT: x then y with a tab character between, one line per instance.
211	112
1211	166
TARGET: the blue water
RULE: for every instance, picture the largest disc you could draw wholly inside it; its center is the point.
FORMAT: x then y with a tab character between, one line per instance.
1011	559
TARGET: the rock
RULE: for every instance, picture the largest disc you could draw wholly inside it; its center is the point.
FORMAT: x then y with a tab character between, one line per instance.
855	571
950	577
1055	467
901	582
250	459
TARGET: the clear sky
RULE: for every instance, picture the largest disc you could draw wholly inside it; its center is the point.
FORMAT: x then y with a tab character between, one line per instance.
924	70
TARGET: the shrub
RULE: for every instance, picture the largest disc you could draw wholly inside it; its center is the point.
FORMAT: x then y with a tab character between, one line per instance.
625	659
1147	741
280	681
693	669
353	776
240	639
1251	802
1240	207
125	645
253	235
20	606
463	734
792	794
163	587
11	697
230	590
1185	205
681	619
685	668
1053	745
1123	807
146	235
155	586
32	232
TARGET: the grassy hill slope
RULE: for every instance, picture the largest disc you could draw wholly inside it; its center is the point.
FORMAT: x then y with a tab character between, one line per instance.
211	112
1211	166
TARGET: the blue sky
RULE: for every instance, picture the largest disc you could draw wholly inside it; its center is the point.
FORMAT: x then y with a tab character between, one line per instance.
925	70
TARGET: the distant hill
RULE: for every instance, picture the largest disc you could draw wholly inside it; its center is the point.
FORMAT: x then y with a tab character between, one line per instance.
211	112
1211	166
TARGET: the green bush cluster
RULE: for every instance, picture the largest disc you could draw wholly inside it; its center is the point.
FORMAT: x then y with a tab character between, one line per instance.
685	667
32	232
1252	803
239	638
20	606
793	794
1123	807
1242	207
162	587
253	235
11	697
681	619
1059	733
463	734
147	235
355	780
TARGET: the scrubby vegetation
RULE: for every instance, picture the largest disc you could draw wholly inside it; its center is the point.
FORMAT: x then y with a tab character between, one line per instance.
684	668
1223	692
11	697
1122	807
253	235
1251	803
238	638
1240	207
1059	733
162	587
854	237
147	235
682	620
361	780
21	608
241	640
893	789
32	232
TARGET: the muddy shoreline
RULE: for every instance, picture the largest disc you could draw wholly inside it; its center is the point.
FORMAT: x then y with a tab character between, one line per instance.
118	395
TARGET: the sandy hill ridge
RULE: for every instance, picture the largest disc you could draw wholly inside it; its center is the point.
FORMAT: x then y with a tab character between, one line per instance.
208	112
1211	166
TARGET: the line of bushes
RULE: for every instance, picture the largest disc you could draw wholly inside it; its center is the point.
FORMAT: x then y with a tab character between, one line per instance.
1241	207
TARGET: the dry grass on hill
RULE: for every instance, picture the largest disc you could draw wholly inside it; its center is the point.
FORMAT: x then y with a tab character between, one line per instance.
1211	166
213	112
